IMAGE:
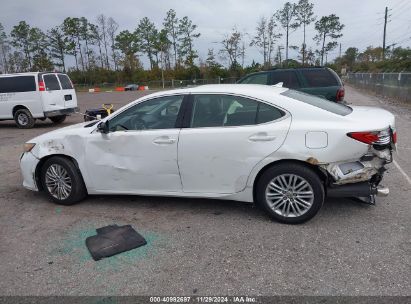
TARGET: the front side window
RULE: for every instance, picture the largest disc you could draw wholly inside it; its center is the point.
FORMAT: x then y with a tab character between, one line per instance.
260	78
51	82
228	110
158	113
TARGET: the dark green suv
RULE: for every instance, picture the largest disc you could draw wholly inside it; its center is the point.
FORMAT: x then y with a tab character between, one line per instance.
319	81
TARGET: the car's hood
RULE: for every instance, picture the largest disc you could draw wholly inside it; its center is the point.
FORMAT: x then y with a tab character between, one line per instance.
77	129
370	118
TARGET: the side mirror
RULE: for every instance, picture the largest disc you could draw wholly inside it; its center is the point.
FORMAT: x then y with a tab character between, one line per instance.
103	127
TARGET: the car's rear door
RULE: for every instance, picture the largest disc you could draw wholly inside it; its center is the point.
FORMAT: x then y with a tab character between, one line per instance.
69	94
53	98
226	136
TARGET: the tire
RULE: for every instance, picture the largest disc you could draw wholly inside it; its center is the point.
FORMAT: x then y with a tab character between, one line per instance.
58	119
290	193
24	119
66	169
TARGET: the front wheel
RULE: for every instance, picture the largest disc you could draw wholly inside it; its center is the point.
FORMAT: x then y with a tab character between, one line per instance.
24	119
58	119
291	193
62	181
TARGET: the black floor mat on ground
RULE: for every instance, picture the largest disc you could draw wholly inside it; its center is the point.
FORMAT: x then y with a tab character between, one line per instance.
113	239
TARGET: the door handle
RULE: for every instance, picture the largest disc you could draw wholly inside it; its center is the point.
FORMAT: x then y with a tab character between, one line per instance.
261	136
164	140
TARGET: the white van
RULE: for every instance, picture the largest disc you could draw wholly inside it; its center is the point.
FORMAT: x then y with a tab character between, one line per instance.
26	97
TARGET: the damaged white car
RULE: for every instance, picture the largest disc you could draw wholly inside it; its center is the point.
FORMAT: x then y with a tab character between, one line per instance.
282	149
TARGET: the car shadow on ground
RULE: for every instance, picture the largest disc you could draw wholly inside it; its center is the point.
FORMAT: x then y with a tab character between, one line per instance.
37	125
123	206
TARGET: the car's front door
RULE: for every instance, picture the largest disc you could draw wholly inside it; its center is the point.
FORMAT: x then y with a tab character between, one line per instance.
227	136
139	154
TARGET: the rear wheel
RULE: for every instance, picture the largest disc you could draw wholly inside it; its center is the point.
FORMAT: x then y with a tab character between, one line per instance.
291	193
58	119
24	119
62	181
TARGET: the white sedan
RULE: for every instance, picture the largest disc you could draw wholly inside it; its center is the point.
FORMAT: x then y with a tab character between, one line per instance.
282	149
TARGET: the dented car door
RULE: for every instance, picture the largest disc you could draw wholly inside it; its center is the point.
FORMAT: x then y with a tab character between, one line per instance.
139	153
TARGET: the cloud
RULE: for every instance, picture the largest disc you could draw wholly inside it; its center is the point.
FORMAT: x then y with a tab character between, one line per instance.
214	18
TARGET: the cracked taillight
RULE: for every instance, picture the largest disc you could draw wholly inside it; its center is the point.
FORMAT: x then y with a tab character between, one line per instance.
380	138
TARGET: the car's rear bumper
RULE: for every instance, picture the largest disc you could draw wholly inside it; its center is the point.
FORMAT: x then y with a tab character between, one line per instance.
59	112
364	169
359	178
28	164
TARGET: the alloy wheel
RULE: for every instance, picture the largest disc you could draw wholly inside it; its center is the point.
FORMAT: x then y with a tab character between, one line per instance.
58	182
289	195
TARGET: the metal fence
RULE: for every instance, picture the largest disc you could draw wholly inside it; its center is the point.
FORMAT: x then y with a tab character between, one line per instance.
391	85
159	84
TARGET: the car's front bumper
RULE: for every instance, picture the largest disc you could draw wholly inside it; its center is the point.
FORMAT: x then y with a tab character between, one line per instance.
59	112
28	164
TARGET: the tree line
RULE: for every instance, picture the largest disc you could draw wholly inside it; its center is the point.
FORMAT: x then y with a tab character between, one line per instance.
101	52
395	59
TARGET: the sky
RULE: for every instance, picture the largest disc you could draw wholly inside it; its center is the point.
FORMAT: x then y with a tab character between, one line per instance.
363	19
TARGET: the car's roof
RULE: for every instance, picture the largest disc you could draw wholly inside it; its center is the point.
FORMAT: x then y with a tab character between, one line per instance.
22	74
238	89
31	73
288	69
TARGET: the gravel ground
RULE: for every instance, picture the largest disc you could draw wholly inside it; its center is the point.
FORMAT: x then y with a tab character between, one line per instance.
199	246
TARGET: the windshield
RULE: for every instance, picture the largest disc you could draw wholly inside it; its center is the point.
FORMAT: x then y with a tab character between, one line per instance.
319	102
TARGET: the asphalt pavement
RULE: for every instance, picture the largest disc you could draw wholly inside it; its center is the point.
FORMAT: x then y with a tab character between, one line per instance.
201	246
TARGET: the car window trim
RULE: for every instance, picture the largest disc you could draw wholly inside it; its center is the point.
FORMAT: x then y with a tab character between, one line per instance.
182	112
189	111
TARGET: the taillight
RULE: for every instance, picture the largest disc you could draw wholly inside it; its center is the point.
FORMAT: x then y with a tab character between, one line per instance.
380	138
394	137
42	87
340	94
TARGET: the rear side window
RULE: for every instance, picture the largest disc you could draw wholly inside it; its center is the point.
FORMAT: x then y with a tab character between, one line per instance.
65	82
17	84
51	82
268	113
319	78
228	110
319	102
260	78
222	110
288	78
